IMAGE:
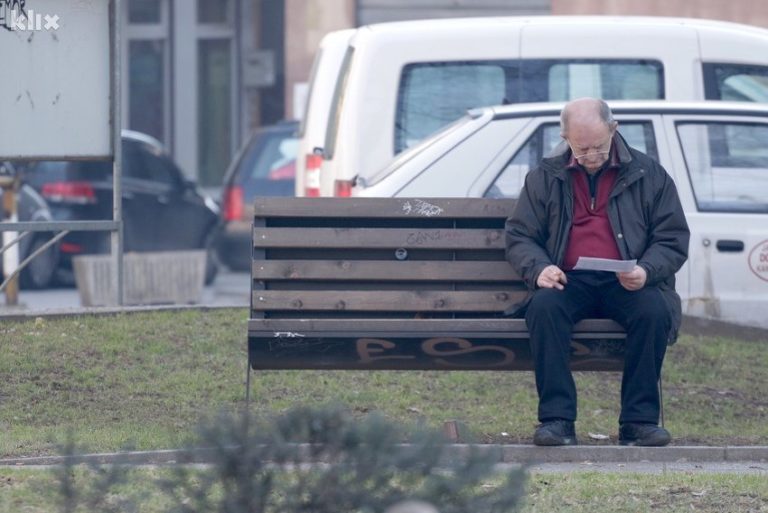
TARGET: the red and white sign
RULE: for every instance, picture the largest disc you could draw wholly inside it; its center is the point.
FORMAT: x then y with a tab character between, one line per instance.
758	260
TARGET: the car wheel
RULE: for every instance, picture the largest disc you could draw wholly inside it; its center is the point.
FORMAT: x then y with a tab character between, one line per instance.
40	271
212	263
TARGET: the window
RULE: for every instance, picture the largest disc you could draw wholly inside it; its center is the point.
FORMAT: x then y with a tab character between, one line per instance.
156	167
560	80
214	109
434	94
144	11
147	87
736	82
217	12
545	140
727	164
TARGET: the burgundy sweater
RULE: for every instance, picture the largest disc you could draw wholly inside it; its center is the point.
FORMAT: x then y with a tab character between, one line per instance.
591	234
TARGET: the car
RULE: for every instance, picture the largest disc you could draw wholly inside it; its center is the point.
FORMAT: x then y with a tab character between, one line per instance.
39	272
265	166
716	152
163	210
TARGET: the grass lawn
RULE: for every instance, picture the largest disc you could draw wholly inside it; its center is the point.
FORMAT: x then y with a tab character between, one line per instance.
144	380
35	491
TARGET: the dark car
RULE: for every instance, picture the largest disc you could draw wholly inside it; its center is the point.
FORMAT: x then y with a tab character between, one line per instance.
265	166
39	273
162	208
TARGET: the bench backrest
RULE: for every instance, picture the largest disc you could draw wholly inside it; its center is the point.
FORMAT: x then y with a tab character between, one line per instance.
441	258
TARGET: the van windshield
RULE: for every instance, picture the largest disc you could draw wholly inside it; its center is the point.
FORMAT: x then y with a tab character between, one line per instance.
433	94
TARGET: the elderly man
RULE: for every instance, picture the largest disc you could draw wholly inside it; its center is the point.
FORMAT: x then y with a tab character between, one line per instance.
597	197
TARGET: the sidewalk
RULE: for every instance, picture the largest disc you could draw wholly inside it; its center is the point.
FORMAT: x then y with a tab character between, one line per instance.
752	459
229	289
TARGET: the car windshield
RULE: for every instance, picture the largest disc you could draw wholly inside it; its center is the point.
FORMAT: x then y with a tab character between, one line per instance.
267	156
411	152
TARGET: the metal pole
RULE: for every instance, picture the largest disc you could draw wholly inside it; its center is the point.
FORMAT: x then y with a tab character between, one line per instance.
10	185
117	182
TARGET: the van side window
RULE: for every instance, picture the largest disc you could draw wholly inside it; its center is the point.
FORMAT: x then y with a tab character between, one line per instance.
563	80
735	82
433	94
543	142
727	164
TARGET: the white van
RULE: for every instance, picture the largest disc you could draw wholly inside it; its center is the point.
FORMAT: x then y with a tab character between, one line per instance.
399	82
312	128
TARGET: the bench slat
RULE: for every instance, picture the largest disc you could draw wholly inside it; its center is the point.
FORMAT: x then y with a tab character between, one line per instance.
393	301
408	238
512	328
460	208
378	270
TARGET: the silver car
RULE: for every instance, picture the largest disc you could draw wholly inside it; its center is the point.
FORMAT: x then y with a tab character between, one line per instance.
717	153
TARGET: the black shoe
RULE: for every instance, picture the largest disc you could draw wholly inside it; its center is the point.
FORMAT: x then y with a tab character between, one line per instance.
555	432
645	435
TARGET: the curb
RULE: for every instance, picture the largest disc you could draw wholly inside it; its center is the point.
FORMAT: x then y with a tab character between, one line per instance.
13	314
456	452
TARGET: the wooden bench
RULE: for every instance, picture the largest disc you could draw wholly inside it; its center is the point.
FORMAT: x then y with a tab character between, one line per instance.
394	283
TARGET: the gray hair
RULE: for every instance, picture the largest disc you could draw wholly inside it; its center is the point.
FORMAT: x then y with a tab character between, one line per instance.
604	110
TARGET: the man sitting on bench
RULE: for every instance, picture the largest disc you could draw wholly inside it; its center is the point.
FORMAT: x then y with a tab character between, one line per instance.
597	197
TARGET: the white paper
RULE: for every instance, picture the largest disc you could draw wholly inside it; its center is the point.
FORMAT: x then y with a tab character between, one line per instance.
604	264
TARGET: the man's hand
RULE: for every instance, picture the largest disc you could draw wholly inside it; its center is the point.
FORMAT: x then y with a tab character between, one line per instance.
551	277
634	279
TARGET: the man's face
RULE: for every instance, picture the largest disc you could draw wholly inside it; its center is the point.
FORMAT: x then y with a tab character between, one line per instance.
590	144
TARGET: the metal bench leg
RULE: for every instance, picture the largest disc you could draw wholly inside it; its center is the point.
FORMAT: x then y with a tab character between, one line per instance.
661	402
248	385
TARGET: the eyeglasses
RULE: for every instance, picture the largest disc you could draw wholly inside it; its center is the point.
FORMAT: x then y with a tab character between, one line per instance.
602	149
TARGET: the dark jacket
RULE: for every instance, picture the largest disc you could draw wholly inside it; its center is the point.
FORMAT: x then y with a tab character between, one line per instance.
644	211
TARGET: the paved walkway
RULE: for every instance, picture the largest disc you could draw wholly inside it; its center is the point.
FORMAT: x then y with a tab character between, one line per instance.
752	459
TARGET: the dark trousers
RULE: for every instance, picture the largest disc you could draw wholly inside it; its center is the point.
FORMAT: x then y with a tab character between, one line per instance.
550	317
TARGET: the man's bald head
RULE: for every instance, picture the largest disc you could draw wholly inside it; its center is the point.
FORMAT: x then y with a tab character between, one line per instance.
588	126
585	112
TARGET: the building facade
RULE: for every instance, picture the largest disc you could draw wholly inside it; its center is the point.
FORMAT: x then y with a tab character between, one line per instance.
199	74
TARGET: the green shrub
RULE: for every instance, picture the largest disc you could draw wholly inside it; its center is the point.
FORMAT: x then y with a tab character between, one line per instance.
322	460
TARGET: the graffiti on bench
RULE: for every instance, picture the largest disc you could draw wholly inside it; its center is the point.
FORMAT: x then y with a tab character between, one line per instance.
435	353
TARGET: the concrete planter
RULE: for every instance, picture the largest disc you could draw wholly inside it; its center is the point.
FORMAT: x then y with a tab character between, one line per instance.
170	277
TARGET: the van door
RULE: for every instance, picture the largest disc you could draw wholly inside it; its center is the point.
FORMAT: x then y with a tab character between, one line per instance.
722	165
